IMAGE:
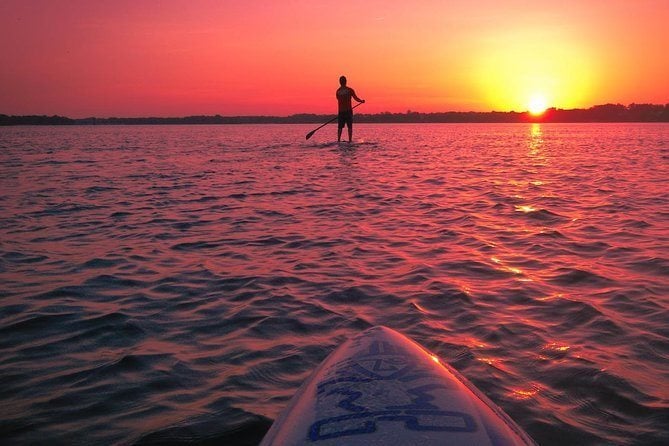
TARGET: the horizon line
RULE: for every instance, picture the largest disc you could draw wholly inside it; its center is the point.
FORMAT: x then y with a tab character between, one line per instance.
598	113
301	114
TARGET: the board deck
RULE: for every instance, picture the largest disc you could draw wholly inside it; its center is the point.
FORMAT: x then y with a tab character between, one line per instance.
381	388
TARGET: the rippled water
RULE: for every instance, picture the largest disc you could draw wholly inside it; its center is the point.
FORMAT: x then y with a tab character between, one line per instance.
178	283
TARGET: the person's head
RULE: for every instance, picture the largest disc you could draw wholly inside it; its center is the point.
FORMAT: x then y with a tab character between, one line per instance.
342	80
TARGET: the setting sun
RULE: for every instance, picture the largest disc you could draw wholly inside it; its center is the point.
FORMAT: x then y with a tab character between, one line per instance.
537	105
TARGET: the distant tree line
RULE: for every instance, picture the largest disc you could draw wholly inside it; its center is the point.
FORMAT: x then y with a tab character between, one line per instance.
598	113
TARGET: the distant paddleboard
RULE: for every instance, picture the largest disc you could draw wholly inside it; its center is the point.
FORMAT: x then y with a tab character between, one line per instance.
381	388
343	144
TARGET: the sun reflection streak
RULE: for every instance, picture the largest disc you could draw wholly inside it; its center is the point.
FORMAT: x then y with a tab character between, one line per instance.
557	347
537	159
510	269
553	351
535	131
536	145
551	297
526	392
525	208
419	307
536	139
523	394
489	361
514	270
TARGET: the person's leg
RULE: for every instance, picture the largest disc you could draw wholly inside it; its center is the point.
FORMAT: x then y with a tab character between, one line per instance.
350	131
340	126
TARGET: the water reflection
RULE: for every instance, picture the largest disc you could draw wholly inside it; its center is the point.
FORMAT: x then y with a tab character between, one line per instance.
536	140
347	154
524	394
525	208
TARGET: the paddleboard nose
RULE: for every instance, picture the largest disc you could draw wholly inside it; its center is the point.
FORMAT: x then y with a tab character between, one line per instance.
379	387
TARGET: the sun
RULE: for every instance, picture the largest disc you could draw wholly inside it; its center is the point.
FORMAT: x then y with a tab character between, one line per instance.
537	104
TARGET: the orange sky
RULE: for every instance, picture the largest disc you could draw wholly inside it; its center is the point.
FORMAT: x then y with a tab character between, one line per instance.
181	57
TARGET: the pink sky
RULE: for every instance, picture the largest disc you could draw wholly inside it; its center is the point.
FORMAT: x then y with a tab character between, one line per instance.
174	58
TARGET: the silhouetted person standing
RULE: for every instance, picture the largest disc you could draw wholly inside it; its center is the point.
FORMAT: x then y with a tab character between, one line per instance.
344	95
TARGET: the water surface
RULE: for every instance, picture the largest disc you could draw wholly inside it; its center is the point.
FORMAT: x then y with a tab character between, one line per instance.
178	283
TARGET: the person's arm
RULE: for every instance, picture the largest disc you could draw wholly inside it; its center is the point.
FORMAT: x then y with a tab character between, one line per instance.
355	96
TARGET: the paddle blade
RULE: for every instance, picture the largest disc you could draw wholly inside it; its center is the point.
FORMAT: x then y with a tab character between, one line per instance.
310	134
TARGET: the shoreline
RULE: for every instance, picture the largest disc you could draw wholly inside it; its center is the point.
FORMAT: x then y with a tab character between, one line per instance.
612	113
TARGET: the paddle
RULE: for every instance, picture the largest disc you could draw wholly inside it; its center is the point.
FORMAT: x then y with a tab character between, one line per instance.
311	133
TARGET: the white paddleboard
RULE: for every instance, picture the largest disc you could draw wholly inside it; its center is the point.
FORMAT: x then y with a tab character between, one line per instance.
381	388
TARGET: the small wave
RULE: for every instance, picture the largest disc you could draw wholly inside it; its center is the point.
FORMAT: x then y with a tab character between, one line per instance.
269	327
271	213
266	241
66	209
579	277
635	223
34	326
608	392
554	351
231	426
655	266
589	248
186	225
286	192
21	258
111	282
196	246
541	215
99	189
552	234
569	313
474	269
355	295
207	199
417	306
98	263
120	214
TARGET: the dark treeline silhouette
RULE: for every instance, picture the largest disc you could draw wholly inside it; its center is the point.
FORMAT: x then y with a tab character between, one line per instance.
598	113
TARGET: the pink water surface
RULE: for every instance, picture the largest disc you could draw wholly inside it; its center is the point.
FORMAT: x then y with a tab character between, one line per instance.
180	282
